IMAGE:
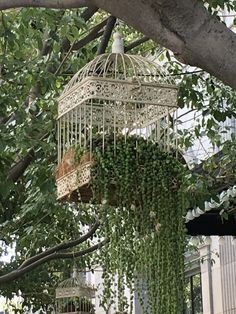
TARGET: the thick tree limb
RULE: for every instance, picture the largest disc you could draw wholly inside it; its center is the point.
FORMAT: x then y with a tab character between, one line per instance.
95	33
135	43
56	252
56	255
106	35
62	246
186	28
86	15
183	26
80	253
56	4
19	167
17	170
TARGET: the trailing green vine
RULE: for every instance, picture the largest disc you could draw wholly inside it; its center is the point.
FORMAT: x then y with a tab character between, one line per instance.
141	190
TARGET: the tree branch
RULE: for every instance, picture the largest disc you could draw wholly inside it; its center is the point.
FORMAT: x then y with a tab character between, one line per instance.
62	246
136	43
56	4
82	252
106	35
19	167
13	275
54	253
186	27
86	15
95	33
17	170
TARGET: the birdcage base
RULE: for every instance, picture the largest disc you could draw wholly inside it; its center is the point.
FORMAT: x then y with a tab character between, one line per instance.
75	185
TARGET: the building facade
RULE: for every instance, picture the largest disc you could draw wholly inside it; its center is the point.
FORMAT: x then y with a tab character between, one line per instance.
210	279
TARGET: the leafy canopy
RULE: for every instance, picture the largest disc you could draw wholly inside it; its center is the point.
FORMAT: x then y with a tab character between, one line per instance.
36	62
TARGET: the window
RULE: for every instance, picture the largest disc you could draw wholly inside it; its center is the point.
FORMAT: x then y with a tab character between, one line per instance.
193	295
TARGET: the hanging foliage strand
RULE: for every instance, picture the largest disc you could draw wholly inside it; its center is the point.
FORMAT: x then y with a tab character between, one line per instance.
141	191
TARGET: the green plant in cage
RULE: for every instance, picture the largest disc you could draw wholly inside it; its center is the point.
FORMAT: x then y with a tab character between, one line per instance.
144	226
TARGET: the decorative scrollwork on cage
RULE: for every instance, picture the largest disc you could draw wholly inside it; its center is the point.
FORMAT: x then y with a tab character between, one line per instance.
114	94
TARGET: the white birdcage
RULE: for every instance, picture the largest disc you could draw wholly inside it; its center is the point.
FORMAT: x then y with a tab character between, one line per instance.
116	94
74	295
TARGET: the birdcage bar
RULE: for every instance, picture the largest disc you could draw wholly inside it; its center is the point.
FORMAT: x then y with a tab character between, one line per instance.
168	131
114	131
152	131
66	130
64	135
73	127
176	132
103	127
80	126
125	122
91	128
124	65
76	125
59	140
84	125
70	127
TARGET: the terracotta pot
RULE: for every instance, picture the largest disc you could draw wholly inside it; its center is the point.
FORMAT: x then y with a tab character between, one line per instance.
67	163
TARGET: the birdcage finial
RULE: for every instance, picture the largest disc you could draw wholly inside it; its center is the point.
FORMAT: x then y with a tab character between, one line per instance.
74	272
117	46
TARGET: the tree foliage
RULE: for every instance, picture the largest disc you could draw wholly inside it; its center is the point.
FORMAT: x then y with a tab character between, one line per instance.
40	50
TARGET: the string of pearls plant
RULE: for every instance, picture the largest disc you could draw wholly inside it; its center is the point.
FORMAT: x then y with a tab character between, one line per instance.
141	189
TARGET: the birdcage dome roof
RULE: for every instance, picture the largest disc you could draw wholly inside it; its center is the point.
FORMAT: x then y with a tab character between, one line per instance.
74	286
121	66
73	282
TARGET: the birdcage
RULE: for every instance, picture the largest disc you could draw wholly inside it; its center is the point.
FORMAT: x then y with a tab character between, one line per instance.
115	94
74	295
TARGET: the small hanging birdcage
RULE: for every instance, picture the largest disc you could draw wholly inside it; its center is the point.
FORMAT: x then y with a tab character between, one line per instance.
74	295
115	94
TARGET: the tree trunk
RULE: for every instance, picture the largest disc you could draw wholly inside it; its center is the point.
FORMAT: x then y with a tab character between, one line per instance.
185	27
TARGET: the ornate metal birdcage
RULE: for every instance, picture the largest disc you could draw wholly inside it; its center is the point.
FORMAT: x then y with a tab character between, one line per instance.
116	94
74	295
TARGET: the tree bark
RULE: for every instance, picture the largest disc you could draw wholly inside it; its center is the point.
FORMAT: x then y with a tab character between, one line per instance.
62	246
15	274
55	252
56	4
183	26
20	166
135	43
106	35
